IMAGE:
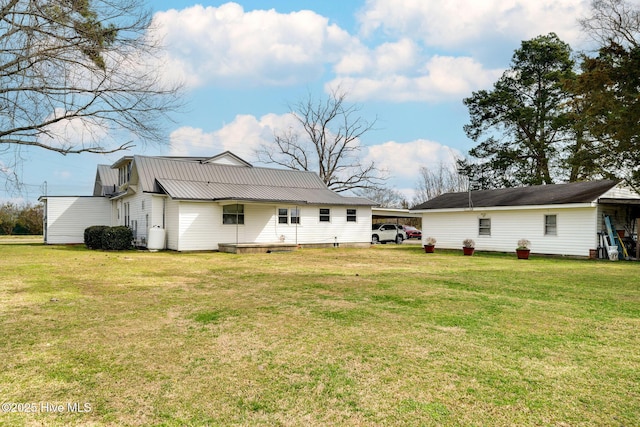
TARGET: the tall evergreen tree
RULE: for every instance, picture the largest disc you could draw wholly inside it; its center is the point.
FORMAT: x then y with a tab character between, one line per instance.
609	88
523	125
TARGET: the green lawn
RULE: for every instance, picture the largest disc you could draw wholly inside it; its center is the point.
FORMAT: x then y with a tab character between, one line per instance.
381	336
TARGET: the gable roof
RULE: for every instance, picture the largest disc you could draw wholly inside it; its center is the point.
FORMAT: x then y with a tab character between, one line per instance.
193	180
228	158
552	194
106	181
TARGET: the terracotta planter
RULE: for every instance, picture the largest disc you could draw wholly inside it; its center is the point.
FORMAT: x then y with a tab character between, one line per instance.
429	249
523	253
468	251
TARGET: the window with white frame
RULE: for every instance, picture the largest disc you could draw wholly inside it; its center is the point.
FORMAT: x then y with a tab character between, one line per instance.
351	215
325	215
127	211
233	214
295	216
124	174
484	226
283	216
550	225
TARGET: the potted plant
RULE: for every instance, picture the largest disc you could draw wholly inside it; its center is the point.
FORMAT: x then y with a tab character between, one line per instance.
523	249
430	245
468	246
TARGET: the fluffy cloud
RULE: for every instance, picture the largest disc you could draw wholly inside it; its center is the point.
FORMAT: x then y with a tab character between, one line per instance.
227	46
403	160
75	132
440	79
242	136
457	23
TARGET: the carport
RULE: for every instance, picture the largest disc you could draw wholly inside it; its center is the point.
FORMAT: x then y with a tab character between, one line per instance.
396	216
393	215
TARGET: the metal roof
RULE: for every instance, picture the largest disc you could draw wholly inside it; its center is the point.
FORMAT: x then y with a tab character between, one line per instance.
553	194
194	180
194	190
106	180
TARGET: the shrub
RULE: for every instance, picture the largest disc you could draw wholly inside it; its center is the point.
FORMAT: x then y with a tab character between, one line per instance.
93	236
117	238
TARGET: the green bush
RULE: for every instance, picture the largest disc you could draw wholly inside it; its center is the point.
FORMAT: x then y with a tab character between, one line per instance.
93	236
117	238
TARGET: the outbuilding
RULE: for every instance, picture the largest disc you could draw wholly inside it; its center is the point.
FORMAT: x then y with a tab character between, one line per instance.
560	219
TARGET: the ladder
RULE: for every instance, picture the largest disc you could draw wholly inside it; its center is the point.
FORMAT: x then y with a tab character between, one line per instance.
613	237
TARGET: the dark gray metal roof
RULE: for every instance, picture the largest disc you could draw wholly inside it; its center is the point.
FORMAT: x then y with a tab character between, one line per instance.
575	192
194	180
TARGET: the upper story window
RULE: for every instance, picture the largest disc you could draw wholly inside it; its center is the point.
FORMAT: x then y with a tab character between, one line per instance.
233	214
550	225
484	226
124	173
351	215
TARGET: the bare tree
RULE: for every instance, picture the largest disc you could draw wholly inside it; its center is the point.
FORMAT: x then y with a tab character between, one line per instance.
75	76
385	197
327	142
9	213
613	21
444	178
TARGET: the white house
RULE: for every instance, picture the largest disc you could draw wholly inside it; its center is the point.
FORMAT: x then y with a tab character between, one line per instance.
207	203
562	219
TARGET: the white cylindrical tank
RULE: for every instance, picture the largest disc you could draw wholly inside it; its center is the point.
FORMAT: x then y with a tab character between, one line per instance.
156	239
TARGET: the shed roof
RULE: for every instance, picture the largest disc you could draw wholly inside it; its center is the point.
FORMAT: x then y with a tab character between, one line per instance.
194	180
553	194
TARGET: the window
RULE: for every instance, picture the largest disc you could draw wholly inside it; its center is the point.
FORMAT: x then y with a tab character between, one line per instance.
233	214
295	216
127	211
124	174
484	227
325	215
550	225
351	215
283	216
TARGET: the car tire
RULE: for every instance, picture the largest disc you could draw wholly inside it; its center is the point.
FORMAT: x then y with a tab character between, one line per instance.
399	239
374	239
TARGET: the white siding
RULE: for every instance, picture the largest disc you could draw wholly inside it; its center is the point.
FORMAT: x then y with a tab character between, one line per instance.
172	222
66	218
200	226
140	215
157	217
197	227
576	229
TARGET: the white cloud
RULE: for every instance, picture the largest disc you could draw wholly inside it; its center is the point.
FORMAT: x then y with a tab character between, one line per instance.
457	23
227	46
403	159
242	136
75	132
441	78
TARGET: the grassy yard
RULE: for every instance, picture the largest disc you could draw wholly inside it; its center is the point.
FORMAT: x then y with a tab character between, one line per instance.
382	336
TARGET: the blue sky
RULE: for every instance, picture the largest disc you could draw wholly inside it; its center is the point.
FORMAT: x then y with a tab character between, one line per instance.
410	63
